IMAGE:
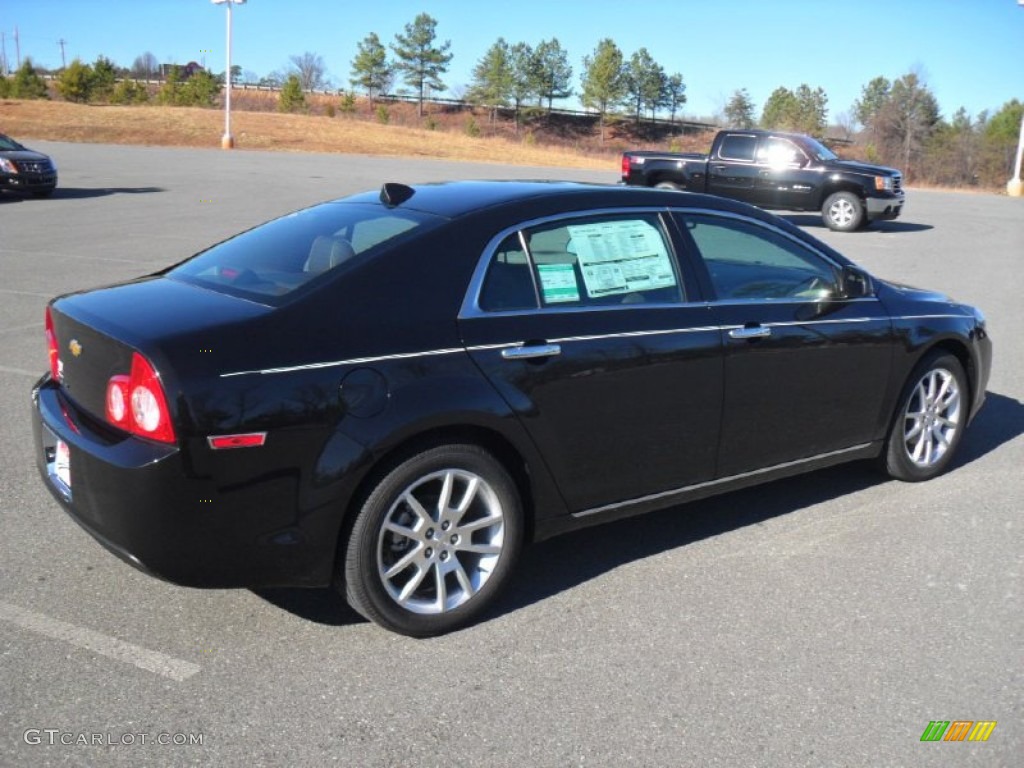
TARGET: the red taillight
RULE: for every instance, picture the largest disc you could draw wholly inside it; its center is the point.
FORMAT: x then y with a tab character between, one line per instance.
137	403
625	167
248	440
51	345
117	400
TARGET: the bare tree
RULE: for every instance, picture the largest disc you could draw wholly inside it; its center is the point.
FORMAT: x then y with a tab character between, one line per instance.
145	67
310	69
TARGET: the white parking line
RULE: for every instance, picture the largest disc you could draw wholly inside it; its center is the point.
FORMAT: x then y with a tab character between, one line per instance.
111	647
21	371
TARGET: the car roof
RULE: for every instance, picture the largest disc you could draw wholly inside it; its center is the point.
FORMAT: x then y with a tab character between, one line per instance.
452	199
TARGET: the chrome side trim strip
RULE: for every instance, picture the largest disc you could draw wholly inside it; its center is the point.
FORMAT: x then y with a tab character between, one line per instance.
929	317
350	361
719	481
561	340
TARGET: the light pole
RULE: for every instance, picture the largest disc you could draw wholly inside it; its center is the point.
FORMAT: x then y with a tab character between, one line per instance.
227	141
1015	186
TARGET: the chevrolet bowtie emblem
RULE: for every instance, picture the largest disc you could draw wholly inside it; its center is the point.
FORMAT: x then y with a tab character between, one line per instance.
75	347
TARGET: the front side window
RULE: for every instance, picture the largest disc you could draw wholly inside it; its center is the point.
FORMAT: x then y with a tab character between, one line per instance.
595	261
779	153
749	262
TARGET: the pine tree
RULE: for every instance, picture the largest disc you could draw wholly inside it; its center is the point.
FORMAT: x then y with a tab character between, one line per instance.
419	61
370	68
550	71
75	82
492	78
603	80
292	99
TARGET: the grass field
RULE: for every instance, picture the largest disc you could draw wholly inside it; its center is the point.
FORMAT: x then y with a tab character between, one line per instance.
193	127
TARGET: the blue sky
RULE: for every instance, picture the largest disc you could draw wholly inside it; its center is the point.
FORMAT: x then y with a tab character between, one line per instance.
971	52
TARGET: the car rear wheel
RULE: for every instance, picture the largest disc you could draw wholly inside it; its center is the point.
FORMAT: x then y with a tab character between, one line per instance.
842	212
668	185
434	542
930	421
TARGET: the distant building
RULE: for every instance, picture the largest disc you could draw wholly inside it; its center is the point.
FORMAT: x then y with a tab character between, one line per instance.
185	71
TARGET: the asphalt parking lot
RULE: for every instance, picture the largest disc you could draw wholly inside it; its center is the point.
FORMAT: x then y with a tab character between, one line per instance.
823	620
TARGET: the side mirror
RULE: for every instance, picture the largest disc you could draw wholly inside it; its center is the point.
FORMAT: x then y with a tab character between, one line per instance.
855	283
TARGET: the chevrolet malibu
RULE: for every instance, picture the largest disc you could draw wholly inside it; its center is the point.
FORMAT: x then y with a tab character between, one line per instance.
395	391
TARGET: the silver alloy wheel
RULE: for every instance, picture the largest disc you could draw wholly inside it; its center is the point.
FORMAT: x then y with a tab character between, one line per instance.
932	417
441	541
842	212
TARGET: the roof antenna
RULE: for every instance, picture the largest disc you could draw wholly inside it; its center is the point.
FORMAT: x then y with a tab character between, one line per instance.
392	193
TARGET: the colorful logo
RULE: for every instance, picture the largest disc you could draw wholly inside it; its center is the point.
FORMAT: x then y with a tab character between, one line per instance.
958	730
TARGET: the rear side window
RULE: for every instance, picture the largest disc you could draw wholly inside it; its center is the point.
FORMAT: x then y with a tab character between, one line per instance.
594	261
735	147
277	258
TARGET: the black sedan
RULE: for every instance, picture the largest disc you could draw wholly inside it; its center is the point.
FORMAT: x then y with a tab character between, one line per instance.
25	170
394	392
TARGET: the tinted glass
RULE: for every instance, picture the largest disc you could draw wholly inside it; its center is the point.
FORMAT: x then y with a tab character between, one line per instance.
508	284
273	260
603	260
738	147
747	261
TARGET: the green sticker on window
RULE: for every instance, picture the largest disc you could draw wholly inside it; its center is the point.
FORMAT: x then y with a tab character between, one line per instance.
558	283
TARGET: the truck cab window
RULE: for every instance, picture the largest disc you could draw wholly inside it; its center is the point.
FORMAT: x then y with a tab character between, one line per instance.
738	147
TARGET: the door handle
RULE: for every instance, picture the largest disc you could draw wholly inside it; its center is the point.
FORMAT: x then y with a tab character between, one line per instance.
531	352
750	332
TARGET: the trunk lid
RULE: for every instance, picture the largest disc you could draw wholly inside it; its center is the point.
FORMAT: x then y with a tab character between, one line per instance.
97	332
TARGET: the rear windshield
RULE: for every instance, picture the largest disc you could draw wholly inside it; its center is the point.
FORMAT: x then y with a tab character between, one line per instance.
276	259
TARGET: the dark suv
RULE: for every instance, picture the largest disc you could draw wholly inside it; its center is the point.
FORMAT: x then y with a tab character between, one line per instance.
24	170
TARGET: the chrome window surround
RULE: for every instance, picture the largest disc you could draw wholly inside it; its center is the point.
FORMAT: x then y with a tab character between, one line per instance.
471	303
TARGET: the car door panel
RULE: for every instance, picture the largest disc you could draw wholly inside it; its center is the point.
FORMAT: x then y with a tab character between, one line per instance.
806	371
649	380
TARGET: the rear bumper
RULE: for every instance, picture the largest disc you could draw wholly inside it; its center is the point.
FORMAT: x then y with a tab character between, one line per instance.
144	503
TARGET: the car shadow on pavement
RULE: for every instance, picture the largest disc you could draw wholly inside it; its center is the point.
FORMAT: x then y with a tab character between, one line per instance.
567	561
1000	420
813	221
322	606
76	193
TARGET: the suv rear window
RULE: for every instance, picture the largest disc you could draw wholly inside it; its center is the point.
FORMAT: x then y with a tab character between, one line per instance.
275	259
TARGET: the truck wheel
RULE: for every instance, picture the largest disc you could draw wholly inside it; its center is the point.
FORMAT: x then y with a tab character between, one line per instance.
668	185
842	212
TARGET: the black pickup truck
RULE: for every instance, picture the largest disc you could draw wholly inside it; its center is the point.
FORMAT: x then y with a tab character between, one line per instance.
784	171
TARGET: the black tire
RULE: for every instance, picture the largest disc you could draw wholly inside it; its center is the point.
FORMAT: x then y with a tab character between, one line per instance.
448	584
668	185
842	212
937	371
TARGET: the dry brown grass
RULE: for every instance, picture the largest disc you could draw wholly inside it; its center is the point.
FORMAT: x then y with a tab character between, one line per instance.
192	127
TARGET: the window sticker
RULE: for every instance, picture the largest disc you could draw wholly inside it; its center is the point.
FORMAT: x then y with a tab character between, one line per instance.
558	283
619	257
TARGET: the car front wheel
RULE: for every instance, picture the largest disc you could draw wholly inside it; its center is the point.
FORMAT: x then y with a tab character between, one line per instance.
434	542
930	421
843	212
